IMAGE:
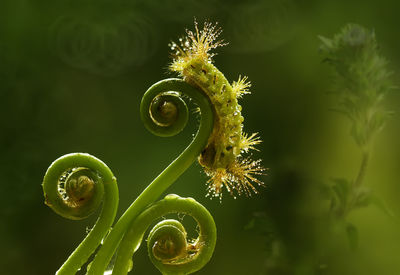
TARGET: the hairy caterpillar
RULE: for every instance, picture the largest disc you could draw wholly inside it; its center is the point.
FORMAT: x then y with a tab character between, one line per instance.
222	158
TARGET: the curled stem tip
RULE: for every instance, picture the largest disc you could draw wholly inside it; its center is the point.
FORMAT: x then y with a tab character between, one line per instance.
164	113
74	186
168	248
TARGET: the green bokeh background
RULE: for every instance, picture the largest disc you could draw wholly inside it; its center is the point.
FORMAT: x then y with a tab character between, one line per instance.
72	74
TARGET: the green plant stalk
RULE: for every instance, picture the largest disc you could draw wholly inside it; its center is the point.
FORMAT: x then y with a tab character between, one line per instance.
362	171
168	176
357	182
169	204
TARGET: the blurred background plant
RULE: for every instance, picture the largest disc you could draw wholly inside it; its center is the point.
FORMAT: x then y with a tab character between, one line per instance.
361	83
69	82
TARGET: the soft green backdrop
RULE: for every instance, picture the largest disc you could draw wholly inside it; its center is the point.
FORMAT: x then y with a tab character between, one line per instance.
72	74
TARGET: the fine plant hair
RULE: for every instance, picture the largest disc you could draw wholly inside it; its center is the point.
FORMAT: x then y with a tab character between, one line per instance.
361	83
76	184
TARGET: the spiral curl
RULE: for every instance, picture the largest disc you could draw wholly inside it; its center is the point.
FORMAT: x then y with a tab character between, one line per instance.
167	114
76	184
108	44
74	187
167	241
167	246
164	114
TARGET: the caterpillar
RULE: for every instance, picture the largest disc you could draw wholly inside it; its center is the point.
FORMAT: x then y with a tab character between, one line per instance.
222	159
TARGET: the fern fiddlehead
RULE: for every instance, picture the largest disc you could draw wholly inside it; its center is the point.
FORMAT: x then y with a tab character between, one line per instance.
173	171
167	246
67	173
74	186
218	144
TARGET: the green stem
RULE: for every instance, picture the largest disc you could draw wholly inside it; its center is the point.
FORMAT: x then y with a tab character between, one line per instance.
362	171
168	176
356	184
